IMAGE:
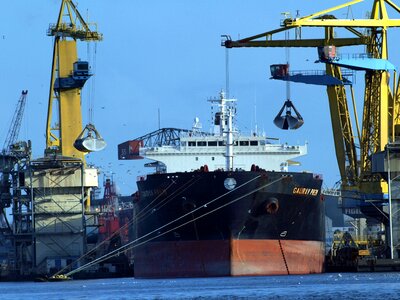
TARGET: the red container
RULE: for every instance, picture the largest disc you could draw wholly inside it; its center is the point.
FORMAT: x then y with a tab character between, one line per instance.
130	150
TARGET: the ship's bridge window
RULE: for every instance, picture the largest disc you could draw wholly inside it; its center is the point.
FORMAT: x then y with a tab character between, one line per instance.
212	143
183	144
253	143
243	143
202	143
192	144
262	143
221	143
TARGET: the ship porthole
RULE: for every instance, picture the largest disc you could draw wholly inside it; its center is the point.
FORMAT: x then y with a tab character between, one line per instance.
230	183
272	206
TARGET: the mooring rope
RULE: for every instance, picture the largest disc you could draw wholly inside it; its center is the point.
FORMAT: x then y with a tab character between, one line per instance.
138	218
125	247
148	209
108	238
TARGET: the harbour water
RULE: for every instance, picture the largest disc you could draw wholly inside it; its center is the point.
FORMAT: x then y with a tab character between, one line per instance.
322	286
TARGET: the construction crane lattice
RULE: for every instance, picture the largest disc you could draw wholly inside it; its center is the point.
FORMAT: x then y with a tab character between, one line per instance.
381	111
13	132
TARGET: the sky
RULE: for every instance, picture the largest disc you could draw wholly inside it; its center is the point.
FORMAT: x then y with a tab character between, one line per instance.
166	56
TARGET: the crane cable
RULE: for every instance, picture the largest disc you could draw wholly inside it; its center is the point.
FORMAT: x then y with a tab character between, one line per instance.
117	251
92	88
287	54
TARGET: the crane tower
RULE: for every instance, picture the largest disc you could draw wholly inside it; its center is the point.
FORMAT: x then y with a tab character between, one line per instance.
58	185
68	76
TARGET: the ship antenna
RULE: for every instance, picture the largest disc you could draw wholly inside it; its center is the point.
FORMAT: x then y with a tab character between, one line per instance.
159	119
255	113
226	37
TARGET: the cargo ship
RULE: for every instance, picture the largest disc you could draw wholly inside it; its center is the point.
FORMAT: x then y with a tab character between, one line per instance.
223	204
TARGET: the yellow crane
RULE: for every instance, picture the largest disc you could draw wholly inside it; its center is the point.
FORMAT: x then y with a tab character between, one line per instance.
381	111
68	75
56	189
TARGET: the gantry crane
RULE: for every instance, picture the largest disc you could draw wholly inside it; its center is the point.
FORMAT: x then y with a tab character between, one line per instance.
68	75
381	112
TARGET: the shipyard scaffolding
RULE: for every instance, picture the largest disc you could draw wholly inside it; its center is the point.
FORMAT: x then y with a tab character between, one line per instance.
58	195
16	237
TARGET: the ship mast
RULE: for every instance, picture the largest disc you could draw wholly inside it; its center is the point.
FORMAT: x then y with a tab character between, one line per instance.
227	112
229	136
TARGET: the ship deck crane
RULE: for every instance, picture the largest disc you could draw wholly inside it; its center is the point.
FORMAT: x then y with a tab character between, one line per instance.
381	112
68	75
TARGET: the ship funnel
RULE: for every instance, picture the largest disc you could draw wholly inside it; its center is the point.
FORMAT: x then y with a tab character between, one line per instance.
288	121
91	141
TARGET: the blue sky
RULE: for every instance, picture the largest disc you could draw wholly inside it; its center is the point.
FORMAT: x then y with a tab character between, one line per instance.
166	55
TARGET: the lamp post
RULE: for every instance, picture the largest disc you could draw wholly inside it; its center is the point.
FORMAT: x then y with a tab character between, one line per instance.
390	206
390	202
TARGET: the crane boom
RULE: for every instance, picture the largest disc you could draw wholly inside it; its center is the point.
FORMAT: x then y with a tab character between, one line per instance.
381	112
16	122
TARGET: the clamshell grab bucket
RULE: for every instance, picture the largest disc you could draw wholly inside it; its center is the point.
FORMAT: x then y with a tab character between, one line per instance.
288	121
91	142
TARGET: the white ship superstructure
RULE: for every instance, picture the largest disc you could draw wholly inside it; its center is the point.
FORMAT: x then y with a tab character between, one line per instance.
197	149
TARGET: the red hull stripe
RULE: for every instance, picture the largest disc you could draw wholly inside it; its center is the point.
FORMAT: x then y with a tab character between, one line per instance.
271	257
228	258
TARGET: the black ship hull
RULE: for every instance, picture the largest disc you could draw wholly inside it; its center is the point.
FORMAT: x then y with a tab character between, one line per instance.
222	223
